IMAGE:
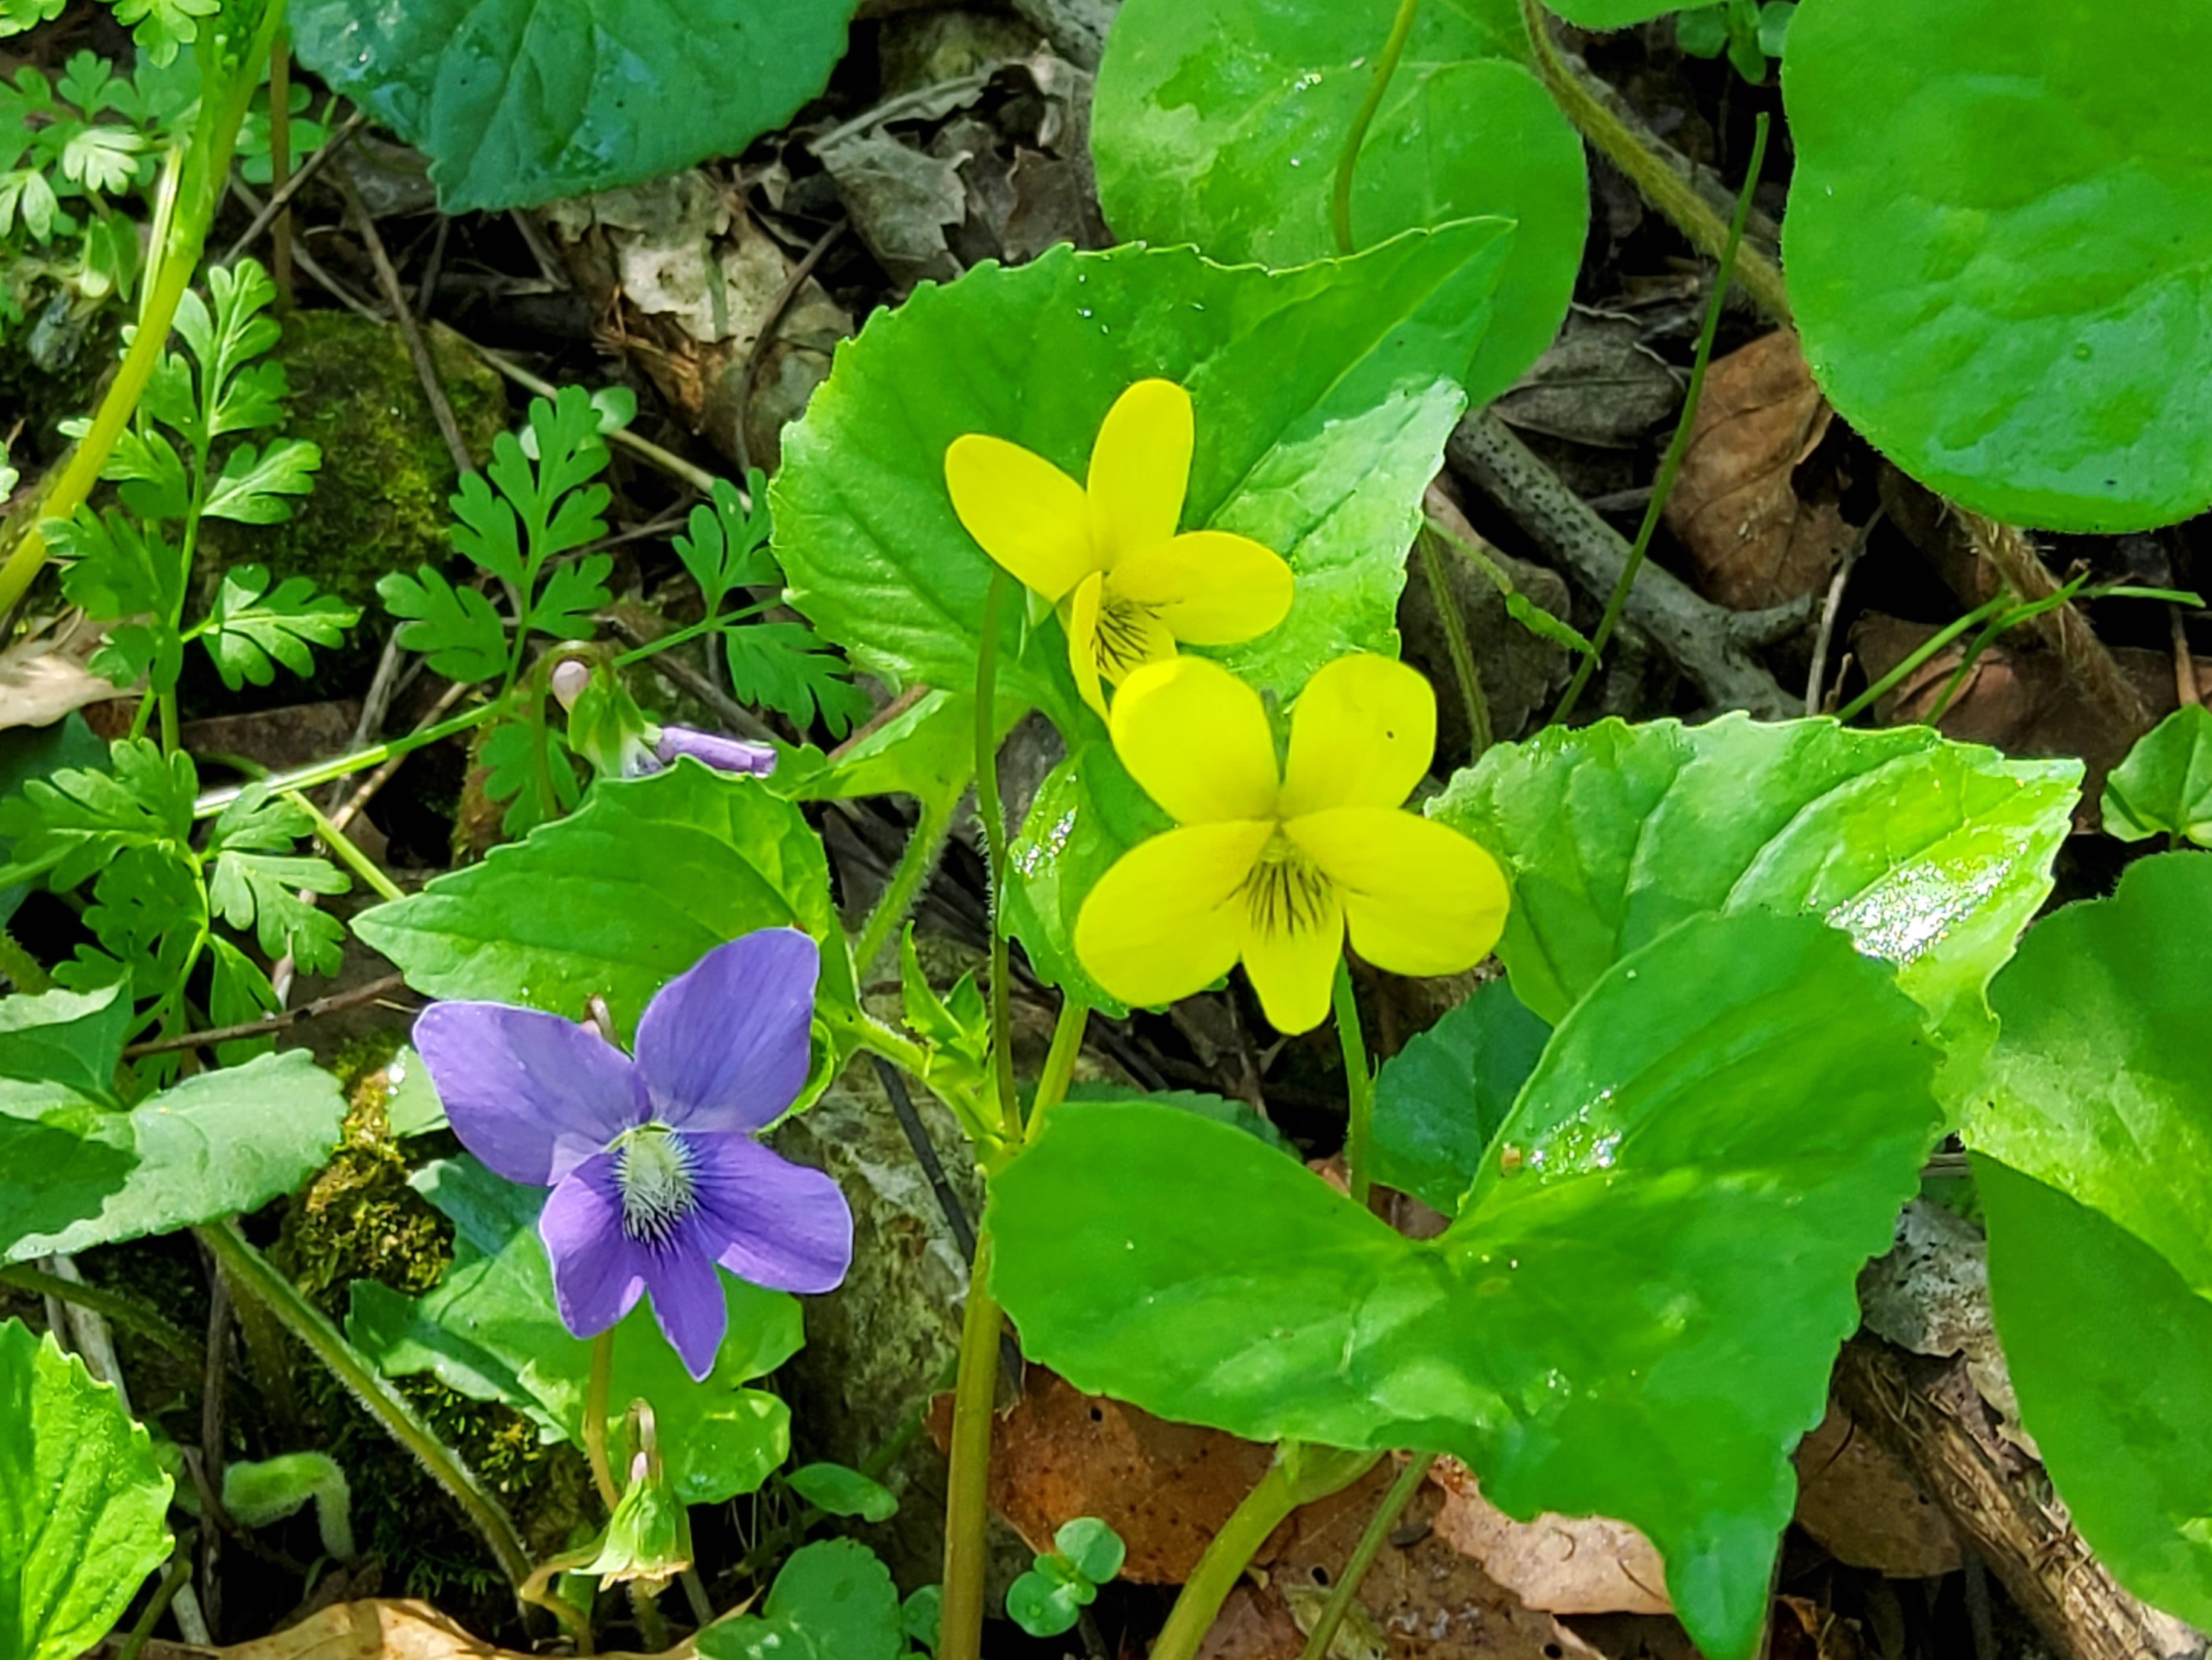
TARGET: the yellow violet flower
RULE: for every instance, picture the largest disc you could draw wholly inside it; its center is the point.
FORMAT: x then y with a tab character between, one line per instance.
1271	870
1107	553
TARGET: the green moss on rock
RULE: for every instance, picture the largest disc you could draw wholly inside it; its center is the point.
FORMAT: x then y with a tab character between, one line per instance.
379	503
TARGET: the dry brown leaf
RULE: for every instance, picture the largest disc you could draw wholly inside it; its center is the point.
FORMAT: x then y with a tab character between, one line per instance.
2019	700
1752	541
1598	384
1866	1510
42	675
378	1630
1421	1600
1166	1489
1582	1564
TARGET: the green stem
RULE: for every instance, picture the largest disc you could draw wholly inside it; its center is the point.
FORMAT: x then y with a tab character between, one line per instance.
992	811
180	253
24	971
1402	29
180	1571
127	1313
597	1399
1359	1084
1364	1554
322	772
343	846
537	1591
1288	1484
1658	184
968	1497
1478	735
916	861
684	635
1059	1061
251	1273
1671	464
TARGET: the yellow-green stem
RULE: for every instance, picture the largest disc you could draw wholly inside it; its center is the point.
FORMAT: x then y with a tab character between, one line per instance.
1359	1084
916	861
322	772
1299	1476
1364	1553
251	1274
1402	29
343	846
1454	621
967	1480
1678	446
597	1398
992	811
1059	1061
1657	182
179	257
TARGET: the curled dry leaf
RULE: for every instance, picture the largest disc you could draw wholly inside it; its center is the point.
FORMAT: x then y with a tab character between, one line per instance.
42	675
379	1630
1422	1600
1562	1565
1865	1509
1752	541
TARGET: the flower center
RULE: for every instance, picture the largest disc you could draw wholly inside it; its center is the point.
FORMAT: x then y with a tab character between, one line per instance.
1284	893
1123	640
653	1167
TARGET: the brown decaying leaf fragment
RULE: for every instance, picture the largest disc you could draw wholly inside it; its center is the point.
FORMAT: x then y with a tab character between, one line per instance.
1751	540
1563	1564
1865	1509
379	1630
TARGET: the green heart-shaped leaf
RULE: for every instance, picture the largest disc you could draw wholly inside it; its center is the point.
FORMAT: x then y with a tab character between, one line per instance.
1997	277
651	875
1634	1317
1933	856
2165	786
1322	398
490	1330
1440	1100
82	1503
2091	1156
1221	122
517	104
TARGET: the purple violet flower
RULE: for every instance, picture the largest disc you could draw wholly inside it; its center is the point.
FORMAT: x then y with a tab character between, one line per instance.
656	1174
723	754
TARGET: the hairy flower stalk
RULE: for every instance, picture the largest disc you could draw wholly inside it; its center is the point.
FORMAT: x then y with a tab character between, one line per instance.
657	1178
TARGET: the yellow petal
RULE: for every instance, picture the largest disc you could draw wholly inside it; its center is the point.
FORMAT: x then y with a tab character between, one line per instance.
1129	636
1024	512
1195	737
1294	935
1420	897
1139	468
1166	919
1079	615
1210	587
1362	735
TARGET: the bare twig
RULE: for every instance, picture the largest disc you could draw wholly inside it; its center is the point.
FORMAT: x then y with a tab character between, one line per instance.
1816	679
402	315
342	292
334	1004
265	214
770	323
2184	661
1693	632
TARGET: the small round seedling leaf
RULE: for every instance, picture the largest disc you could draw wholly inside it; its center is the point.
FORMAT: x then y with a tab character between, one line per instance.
1045	1605
81	1502
1999	247
1092	1548
843	1492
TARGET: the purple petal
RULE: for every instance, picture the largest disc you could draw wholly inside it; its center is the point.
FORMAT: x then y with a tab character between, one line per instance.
767	1220
723	1046
599	1271
529	1093
723	754
688	1301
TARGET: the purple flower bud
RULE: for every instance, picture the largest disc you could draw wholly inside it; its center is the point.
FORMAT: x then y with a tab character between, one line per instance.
723	754
571	677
